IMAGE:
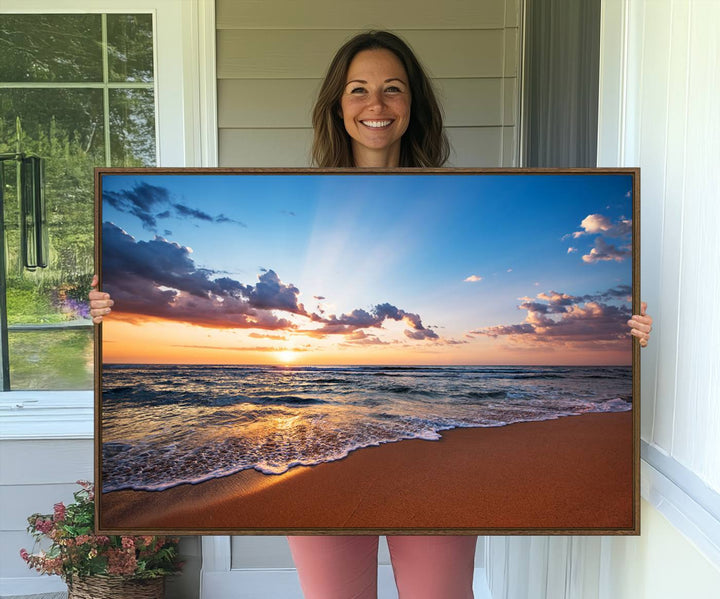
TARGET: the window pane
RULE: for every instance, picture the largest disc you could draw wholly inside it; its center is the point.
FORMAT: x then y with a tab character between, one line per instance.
50	48
52	360
132	127
52	119
66	127
130	47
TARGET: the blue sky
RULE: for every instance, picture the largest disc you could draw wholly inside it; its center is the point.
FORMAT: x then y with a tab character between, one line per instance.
458	251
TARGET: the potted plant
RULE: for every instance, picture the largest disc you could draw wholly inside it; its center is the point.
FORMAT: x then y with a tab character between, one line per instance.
98	566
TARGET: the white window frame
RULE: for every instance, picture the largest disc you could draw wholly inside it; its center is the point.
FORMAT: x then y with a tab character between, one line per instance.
186	130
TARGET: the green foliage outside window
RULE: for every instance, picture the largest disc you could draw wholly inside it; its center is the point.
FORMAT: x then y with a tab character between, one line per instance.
76	90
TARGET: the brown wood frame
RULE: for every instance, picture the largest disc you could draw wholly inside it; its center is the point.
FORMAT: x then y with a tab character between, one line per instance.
634	529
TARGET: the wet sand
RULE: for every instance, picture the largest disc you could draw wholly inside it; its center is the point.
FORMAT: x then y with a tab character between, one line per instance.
574	472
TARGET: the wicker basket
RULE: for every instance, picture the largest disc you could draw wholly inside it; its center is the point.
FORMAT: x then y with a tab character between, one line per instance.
116	587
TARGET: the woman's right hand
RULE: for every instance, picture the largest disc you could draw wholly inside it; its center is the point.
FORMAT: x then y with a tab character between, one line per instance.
100	302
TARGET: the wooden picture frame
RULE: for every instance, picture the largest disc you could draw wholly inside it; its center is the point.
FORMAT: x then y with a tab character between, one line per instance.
350	351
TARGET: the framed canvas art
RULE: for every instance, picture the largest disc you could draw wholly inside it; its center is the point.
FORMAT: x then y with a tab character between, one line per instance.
407	351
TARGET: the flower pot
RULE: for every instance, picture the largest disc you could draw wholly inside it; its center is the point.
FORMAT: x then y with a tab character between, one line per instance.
116	587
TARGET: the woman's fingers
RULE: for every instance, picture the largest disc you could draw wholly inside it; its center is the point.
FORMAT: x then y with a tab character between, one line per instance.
100	302
641	325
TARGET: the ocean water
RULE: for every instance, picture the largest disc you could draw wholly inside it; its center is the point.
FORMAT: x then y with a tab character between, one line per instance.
167	425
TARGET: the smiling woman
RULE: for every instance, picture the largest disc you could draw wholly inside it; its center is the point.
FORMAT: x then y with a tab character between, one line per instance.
375	107
388	80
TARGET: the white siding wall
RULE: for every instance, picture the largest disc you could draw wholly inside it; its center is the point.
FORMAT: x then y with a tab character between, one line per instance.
660	84
34	475
673	121
37	473
271	57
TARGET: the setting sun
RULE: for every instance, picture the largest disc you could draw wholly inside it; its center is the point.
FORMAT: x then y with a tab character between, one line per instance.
285	356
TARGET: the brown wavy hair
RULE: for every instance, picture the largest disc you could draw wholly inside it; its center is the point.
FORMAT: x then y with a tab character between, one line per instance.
423	144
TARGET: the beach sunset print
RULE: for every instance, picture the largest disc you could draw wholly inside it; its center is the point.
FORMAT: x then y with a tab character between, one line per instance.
271	329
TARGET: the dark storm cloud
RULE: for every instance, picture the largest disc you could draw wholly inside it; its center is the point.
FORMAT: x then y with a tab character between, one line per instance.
272	294
140	201
159	278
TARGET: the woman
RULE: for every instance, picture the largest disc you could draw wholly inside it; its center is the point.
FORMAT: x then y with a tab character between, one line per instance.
377	109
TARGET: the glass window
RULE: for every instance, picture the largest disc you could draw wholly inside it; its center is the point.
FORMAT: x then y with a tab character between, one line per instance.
79	92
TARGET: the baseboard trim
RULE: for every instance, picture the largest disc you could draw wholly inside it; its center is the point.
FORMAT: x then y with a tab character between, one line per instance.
284	584
31	585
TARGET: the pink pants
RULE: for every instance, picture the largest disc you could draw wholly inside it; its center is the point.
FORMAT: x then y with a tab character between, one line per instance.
432	567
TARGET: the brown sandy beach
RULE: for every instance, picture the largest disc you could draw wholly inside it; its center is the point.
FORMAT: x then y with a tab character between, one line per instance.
572	472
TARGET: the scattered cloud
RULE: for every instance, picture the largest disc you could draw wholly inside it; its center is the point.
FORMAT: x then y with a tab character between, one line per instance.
362	338
590	321
374	318
243	348
221	218
605	252
603	228
272	337
473	279
597	224
150	202
187	212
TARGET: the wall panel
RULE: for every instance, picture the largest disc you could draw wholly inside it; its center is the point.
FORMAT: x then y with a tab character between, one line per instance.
306	53
271	58
331	14
281	103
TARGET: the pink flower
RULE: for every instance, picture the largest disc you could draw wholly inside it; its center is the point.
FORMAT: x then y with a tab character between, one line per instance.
24	555
44	526
53	565
121	562
128	543
59	509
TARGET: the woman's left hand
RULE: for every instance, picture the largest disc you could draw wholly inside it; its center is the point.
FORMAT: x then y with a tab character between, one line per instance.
641	325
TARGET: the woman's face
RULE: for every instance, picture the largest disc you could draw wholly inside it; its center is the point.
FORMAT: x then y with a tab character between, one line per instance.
375	107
